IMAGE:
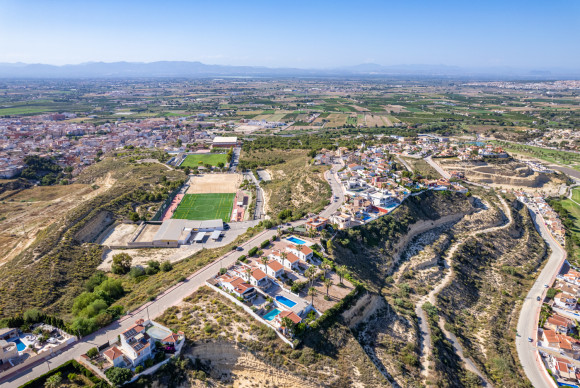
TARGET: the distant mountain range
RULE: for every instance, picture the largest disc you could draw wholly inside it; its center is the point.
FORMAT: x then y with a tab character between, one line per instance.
198	69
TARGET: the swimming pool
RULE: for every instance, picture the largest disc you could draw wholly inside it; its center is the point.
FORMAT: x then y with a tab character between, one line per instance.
19	344
271	315
285	301
296	241
158	333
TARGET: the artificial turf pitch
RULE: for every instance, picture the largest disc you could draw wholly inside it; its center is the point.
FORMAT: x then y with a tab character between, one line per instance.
205	207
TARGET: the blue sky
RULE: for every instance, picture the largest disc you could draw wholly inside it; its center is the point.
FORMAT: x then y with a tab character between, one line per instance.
320	34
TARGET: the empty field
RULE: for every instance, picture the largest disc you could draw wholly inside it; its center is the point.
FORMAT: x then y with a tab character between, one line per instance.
336	120
377	120
214	183
205	207
211	159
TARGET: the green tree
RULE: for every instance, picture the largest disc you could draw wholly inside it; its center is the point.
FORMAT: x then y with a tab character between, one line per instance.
328	283
53	381
121	263
118	376
92	352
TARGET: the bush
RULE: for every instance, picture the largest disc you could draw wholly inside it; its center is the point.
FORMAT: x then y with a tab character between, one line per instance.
253	251
121	263
166	266
136	272
139	369
92	352
118	376
264	244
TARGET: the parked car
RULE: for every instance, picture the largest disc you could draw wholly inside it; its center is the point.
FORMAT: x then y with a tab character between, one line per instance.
530	339
538	298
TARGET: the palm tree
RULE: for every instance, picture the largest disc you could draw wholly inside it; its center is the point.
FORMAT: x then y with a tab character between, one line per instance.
264	260
328	283
249	272
288	325
310	273
312	293
341	271
325	267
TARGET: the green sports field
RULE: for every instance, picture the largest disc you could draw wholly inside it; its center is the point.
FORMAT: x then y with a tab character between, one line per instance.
205	207
213	159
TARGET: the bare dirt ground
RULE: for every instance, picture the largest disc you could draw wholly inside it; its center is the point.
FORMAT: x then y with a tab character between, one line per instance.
214	183
336	292
395	108
373	120
118	235
24	213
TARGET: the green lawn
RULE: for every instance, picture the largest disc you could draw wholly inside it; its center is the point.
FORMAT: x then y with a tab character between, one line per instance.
213	159
576	195
205	207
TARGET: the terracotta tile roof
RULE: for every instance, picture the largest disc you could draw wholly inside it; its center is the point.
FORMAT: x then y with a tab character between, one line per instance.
113	353
275	266
306	250
292	258
174	338
291	315
258	274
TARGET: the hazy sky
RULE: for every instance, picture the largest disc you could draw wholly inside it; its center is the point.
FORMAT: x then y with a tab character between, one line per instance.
295	33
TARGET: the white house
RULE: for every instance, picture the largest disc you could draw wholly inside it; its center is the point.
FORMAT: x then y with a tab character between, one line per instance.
136	344
115	356
304	253
273	268
287	259
237	286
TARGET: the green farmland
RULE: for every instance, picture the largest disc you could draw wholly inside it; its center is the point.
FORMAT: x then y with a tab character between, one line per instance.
205	207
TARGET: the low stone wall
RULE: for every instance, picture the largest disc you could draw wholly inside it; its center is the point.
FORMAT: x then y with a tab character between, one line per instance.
249	311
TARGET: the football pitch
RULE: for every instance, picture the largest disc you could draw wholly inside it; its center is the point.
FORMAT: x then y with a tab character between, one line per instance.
213	159
205	207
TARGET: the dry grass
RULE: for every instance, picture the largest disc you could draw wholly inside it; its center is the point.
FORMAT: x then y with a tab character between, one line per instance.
214	183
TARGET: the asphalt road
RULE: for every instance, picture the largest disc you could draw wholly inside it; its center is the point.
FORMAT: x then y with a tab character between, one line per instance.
528	320
436	166
169	298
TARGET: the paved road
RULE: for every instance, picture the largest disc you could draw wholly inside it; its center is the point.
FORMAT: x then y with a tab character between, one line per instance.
528	320
437	167
169	298
337	190
259	212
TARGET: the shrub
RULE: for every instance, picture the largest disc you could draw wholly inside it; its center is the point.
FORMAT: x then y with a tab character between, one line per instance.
253	251
121	263
118	376
166	266
265	243
139	369
92	352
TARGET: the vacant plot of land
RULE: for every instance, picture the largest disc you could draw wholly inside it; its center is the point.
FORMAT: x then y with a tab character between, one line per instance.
212	159
576	195
395	108
377	121
214	183
336	120
205	207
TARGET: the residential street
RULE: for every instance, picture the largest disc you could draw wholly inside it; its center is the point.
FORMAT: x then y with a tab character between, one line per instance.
171	297
528	320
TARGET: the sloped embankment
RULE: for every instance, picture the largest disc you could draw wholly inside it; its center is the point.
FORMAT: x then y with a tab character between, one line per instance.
371	251
492	273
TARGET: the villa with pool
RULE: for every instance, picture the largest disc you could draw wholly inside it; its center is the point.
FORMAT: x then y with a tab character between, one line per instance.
138	344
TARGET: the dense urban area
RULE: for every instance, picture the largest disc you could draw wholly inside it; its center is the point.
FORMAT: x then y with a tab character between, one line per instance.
289	232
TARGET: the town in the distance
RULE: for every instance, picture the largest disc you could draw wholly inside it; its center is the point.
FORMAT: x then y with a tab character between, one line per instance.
289	232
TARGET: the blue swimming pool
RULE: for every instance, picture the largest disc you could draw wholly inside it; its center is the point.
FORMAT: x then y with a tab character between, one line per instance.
19	345
285	301
296	241
271	315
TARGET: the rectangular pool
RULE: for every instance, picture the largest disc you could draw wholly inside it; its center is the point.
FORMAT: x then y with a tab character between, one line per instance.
296	241
285	301
271	315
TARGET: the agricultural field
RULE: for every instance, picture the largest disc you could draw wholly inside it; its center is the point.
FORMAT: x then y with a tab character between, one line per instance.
205	207
196	160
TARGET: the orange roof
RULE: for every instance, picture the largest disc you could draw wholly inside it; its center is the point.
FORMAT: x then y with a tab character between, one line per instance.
243	287
275	266
171	338
562	367
559	320
113	353
137	328
258	274
292	258
291	315
306	250
551	336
